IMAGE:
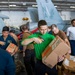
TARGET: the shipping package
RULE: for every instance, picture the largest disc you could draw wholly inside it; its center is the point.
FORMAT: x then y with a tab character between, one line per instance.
11	48
69	63
55	49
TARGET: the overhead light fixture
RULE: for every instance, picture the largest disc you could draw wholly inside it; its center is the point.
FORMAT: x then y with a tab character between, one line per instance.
12	5
2	1
72	6
24	3
34	5
55	6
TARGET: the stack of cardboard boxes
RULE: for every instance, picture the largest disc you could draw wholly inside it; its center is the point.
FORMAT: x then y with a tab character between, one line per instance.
69	65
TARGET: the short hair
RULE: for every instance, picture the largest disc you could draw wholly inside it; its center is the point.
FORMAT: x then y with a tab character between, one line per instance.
72	21
24	26
53	25
12	31
5	28
42	23
49	27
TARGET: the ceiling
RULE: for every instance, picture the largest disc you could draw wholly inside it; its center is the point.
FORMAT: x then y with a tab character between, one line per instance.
22	5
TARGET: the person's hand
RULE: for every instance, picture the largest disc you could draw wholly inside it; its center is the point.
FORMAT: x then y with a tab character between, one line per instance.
23	54
60	58
37	40
12	53
69	51
16	49
2	43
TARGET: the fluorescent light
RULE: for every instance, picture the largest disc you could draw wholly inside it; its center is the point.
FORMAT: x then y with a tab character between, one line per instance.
34	5
24	3
55	6
12	5
72	6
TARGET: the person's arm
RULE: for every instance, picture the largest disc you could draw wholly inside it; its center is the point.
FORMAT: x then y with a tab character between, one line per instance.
10	66
27	41
2	43
65	38
14	42
67	42
25	35
11	70
30	40
67	33
24	48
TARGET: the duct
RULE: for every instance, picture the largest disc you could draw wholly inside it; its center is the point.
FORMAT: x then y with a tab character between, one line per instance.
68	9
17	2
71	0
13	9
64	1
65	4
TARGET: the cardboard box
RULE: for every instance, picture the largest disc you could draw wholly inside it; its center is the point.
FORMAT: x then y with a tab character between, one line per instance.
55	49
69	63
11	48
68	72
